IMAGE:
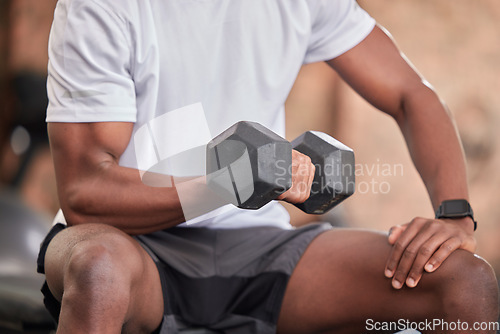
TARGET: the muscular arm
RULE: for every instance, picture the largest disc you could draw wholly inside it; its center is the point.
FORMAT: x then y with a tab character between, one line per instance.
378	72
93	188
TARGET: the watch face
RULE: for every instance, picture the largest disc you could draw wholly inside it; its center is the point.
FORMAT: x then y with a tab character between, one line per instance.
456	206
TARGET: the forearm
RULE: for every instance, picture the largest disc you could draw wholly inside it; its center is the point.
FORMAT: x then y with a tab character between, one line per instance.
378	71
94	188
423	244
116	196
434	145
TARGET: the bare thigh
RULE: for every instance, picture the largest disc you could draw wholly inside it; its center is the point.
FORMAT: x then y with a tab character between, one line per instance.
339	284
105	280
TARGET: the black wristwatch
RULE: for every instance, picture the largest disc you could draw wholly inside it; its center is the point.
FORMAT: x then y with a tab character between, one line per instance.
456	208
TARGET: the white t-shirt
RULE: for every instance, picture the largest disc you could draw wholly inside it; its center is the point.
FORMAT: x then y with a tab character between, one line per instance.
184	71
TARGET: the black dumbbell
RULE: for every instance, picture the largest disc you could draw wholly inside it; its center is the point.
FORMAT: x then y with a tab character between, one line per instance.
249	165
334	176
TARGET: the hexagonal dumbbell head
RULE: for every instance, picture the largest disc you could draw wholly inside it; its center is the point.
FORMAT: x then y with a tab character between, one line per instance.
334	177
248	165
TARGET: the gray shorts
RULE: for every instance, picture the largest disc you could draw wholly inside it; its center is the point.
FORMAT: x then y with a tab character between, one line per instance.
227	280
232	281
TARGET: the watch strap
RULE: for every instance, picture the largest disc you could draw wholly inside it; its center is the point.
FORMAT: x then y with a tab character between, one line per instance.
454	209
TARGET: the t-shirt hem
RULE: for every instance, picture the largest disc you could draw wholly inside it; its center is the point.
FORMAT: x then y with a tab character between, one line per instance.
348	42
90	116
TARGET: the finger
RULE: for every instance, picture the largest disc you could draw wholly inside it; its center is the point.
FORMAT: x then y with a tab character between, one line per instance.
425	252
303	182
311	175
395	232
302	176
442	253
409	256
404	251
310	179
399	245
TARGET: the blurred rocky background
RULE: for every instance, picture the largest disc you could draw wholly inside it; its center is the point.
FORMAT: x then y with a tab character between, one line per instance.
455	44
25	163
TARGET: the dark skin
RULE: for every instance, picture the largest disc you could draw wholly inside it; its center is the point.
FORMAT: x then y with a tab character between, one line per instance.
101	200
434	146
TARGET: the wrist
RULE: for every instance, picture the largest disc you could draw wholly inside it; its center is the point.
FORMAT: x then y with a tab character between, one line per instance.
466	223
457	209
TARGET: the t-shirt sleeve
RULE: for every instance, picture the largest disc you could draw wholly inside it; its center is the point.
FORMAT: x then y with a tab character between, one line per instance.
89	66
337	26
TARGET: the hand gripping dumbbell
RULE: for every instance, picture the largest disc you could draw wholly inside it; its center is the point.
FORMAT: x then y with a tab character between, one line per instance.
334	175
249	165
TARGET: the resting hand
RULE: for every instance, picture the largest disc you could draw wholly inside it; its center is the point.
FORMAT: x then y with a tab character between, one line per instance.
423	244
302	178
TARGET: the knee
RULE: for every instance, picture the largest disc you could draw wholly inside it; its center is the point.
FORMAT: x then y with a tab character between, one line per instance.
467	284
105	263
